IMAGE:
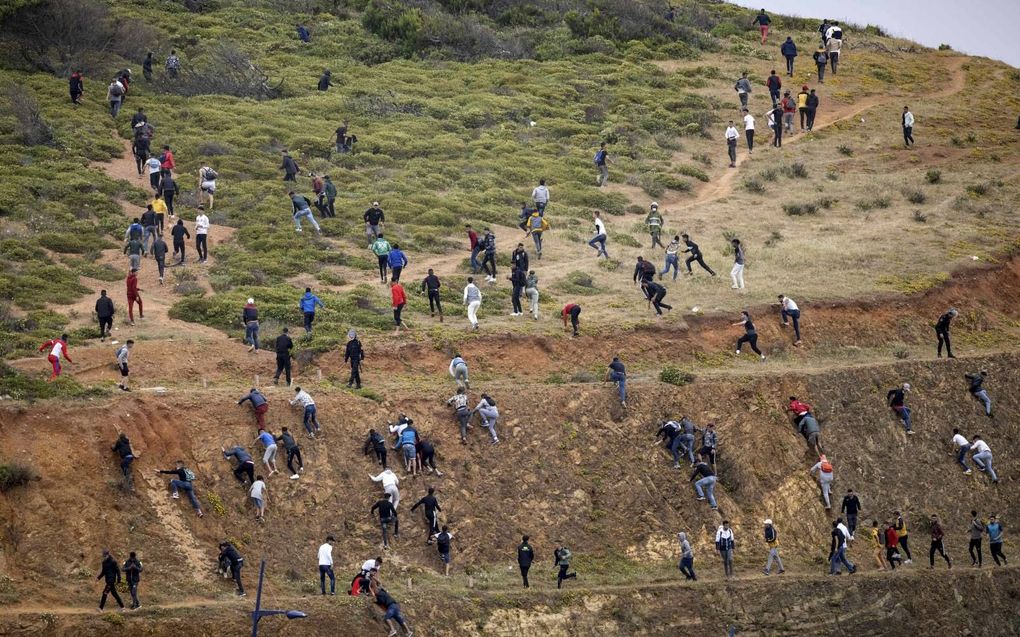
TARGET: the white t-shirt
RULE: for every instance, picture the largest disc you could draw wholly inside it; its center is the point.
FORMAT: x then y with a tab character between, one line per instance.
731	133
201	224
600	228
368	565
789	305
257	490
388	478
960	441
58	349
326	555
748	122
980	447
152	163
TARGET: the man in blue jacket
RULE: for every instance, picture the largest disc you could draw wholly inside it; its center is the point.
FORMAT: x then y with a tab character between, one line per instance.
308	303
789	51
397	261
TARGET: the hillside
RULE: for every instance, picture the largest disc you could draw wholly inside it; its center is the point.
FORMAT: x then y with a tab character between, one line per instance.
460	107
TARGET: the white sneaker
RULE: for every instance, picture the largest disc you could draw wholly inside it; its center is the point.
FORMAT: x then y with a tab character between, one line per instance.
295	477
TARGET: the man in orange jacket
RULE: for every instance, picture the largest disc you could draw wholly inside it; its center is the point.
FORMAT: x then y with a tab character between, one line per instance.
399	301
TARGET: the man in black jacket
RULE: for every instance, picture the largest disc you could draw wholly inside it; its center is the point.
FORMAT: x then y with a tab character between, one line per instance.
168	187
110	572
518	279
293	451
179	233
123	449
104	313
644	271
376	443
283	348
354	354
159	250
852	507
942	331
432	509
149	227
812	109
655	292
430	285
133	574
525	556
229	554
387	516
696	251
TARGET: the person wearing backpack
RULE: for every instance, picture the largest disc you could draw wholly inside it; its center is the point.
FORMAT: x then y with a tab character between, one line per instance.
537	225
833	43
115	95
821	58
772	541
133	574
183	482
602	165
789	110
381	249
123	352
290	167
775	85
789	51
725	543
825	476
207	184
976	530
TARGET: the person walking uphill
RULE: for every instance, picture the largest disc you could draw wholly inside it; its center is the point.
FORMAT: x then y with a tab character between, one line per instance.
750	334
488	413
431	507
134	295
686	558
109	572
837	551
789	310
789	51
289	167
250	320
994	528
731	146
802	106
602	165
825	476
374	217
618	375
293	450
283	346
259	404
812	109
399	299
749	130
76	86
563	557
202	234
183	482
743	89
309	413
540	195
737	273
537	227
976	387
387	516
245	464
982	457
901	533
381	249
763	21
431	285
976	532
489	260
179	233
231	556
104	314
268	442
123	354
821	58
704	479
308	304
122	447
908	127
354	354
942	332
302	209
775	86
851	506
326	565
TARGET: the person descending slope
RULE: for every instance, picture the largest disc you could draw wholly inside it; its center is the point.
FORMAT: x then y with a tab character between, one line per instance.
772	541
750	335
563	557
977	390
942	332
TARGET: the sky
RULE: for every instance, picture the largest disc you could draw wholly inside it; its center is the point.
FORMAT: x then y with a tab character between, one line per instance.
976	27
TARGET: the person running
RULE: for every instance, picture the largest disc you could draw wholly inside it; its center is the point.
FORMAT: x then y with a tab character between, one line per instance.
725	543
655	293
573	310
488	413
459	371
259	404
977	390
837	551
230	555
901	533
57	348
330	193
772	541
892	555
153	169
302	209
602	165
763	21
821	58
183	482
851	506
104	314
981	454
135	250
202	234
825	476
907	121
289	167
877	539
618	375
308	303
518	279
599	237
393	616
460	409
326	565
250	320
473	301
737	272
431	286
696	255
489	260
377	444
109	572
686	558
937	535
374	218
540	195
397	261
749	130
123	353
245	464
976	531
775	85
293	451
789	51
672	259
179	234
896	398
122	447
654	224
523	217
257	493
537	227
430	505
731	145
399	298
133	575
704	479
268	442
743	89
283	347
750	334
563	557
960	447
309	412
995	533
789	311
387	514
942	332
525	556
644	270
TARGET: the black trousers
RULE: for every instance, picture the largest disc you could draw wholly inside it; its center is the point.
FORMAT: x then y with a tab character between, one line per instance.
291	455
168	197
515	299
811	112
937	546
749	134
383	265
943	336
110	589
245	469
154	180
996	548
235	572
202	246
434	302
564	575
179	247
524	573
575	313
490	258
658	304
105	325
355	378
975	544
701	261
908	135
752	340
282	365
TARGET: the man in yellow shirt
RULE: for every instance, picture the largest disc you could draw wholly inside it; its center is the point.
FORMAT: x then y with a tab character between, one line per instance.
802	106
876	544
159	207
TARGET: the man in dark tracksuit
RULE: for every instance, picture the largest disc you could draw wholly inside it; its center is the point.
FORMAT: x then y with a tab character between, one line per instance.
283	348
695	254
104	313
150	226
293	451
168	187
942	332
387	514
525	556
110	572
432	509
431	287
159	250
644	272
354	354
376	443
230	554
655	292
123	449
245	465
852	507
179	233
518	279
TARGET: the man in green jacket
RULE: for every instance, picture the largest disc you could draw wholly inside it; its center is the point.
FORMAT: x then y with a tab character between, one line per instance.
330	192
654	223
381	248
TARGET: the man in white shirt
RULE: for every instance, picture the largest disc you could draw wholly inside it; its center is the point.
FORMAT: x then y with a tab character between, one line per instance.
326	566
749	130
473	301
540	195
599	237
369	569
310	416
389	482
207	183
152	166
982	456
962	447
201	234
788	310
731	143
908	126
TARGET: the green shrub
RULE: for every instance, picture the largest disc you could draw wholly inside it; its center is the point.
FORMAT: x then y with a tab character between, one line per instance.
692	171
796	170
978	190
933	176
845	150
914	196
753	185
15	474
675	376
796	210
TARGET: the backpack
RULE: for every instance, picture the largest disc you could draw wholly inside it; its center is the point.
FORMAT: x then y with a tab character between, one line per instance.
189	475
600	157
827	467
116	89
119	350
537	223
770	534
837	34
209	173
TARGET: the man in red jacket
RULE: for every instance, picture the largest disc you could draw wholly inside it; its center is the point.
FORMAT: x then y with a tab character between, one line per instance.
133	295
399	301
798	408
573	310
58	348
166	161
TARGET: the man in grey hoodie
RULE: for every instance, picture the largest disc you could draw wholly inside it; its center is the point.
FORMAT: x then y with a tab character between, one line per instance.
686	558
540	195
743	89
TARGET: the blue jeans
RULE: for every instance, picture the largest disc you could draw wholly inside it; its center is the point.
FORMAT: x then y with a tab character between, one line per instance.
251	333
687	568
672	261
150	233
475	265
795	316
985	400
540	207
601	240
705	488
983	461
961	456
904	414
305	212
310	419
323	572
675	448
621	380
839	558
687	442
183	485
